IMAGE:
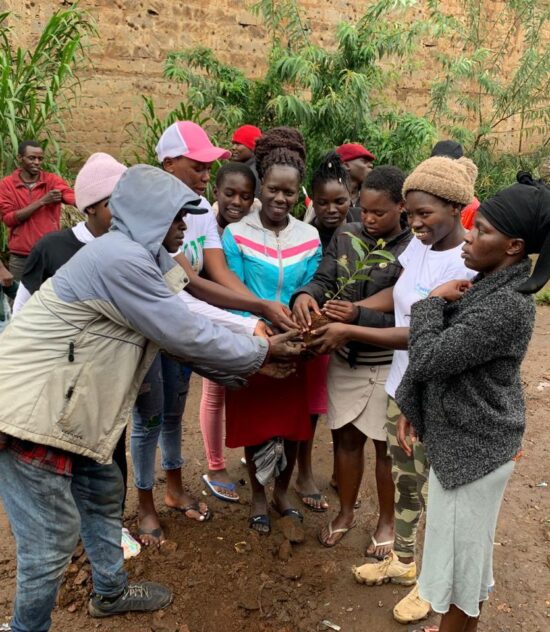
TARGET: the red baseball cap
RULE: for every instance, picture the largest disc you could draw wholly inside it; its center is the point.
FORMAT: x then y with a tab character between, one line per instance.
185	138
247	135
351	151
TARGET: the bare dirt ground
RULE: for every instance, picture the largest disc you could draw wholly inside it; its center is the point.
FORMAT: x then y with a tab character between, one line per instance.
219	589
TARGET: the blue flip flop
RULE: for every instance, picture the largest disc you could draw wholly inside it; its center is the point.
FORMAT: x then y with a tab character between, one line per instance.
260	520
229	486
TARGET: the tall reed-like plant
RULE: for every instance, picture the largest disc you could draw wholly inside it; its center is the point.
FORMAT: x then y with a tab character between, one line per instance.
38	85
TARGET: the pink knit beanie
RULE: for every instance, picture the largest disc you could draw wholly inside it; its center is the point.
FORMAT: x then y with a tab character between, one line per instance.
96	180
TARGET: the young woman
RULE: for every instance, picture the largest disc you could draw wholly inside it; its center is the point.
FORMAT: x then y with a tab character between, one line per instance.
185	151
357	373
273	254
435	193
462	392
234	191
331	201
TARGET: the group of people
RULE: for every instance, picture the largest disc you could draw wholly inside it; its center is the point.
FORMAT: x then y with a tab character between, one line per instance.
421	354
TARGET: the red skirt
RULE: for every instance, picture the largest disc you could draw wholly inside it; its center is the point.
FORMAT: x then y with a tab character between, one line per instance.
268	408
316	377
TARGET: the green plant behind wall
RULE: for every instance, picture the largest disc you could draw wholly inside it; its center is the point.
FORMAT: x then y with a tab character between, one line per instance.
145	134
333	95
38	86
478	89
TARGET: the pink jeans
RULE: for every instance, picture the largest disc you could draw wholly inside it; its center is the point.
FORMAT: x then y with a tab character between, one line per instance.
212	422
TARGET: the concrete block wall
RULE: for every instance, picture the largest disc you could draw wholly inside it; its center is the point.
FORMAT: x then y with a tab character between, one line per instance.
136	35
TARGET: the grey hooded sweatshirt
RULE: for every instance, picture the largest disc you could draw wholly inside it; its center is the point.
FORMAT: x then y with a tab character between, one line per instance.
72	361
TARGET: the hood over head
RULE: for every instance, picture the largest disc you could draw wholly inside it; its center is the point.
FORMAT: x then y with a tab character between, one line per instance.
145	202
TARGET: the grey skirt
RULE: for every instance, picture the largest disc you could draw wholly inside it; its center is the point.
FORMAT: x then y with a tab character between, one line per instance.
457	565
357	396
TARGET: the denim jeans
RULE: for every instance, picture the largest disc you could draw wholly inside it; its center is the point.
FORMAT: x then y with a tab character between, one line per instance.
47	512
157	415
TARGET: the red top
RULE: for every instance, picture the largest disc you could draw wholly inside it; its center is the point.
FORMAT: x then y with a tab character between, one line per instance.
14	196
469	214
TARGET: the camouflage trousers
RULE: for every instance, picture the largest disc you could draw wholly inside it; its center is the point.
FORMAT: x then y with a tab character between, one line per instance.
410	477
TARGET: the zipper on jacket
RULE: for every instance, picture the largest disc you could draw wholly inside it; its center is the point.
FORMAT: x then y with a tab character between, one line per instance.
71	351
281	271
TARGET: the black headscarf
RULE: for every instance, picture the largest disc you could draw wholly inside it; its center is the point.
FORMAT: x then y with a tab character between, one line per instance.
523	210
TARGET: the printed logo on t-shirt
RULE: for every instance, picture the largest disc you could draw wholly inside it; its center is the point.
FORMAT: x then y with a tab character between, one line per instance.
191	250
422	291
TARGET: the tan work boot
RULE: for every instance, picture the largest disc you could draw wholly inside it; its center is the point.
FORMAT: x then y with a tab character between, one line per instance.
389	569
411	608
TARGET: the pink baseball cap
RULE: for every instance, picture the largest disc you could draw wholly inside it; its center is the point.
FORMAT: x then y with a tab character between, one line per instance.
185	138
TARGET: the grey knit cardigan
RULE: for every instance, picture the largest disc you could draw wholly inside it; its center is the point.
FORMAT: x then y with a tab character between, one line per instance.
462	390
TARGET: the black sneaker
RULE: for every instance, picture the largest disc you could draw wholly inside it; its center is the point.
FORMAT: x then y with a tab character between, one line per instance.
144	597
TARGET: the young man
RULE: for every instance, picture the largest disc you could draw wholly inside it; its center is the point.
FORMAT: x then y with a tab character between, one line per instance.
244	140
358	161
71	364
30	204
93	187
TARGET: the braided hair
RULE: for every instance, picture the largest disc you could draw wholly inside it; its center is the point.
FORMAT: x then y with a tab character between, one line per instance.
280	146
387	179
331	168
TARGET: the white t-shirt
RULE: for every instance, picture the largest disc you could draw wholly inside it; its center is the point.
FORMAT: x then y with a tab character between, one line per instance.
424	269
201	233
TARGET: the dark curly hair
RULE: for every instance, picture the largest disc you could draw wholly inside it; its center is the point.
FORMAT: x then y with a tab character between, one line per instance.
235	167
280	146
330	168
387	179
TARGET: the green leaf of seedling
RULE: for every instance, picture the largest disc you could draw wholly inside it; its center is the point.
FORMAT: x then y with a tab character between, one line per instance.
357	247
357	241
383	253
328	294
377	261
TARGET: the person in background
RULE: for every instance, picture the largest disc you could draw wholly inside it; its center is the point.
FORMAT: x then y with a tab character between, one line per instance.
273	254
8	289
463	395
358	160
234	193
93	187
30	204
70	366
435	193
452	149
357	373
243	142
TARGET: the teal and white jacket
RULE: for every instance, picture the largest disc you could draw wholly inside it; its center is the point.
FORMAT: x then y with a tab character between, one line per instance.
272	266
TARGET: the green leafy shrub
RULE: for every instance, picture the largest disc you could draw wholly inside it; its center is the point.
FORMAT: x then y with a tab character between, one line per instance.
333	95
38	86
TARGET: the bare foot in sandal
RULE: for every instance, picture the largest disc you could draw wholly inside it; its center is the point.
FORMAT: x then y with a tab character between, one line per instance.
150	532
381	542
227	490
179	499
191	508
331	534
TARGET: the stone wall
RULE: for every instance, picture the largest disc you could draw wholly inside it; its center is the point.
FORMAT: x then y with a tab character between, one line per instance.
135	36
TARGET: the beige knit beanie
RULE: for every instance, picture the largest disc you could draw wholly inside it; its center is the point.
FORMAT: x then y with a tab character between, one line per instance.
444	177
